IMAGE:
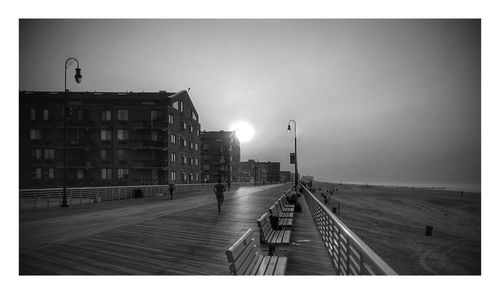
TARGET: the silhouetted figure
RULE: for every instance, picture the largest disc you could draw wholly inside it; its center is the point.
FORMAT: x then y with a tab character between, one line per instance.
219	190
229	185
171	189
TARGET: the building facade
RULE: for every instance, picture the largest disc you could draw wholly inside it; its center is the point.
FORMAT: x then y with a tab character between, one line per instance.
220	156
112	139
260	172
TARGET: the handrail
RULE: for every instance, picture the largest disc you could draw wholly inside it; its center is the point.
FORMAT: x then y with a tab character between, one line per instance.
348	253
47	197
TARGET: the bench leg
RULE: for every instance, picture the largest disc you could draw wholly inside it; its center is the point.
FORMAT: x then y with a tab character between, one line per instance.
271	250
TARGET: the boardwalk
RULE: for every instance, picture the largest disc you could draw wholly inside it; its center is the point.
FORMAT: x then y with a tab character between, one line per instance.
184	236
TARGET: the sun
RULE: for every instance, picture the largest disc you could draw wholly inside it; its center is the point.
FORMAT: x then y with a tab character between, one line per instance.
244	131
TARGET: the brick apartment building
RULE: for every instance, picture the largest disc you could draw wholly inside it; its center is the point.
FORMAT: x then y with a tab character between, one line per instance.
220	156
112	139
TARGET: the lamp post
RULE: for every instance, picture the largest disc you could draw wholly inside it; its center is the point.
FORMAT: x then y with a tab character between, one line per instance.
296	159
255	172
78	79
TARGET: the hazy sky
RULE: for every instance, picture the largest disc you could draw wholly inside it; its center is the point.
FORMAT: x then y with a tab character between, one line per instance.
376	101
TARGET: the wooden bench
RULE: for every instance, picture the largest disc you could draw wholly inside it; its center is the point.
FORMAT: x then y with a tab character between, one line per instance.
283	221
284	203
270	236
245	259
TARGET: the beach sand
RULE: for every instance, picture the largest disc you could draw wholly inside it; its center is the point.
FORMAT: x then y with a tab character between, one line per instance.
393	220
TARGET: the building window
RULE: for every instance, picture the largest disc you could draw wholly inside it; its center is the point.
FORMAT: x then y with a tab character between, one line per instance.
79	174
172	138
197	176
51	173
182	106
104	154
79	114
196	146
45	114
35	134
206	167
36	173
48	154
106	173
198	132
36	154
175	105
191	145
190	177
122	135
172	157
154	136
122	114
120	154
206	146
170	119
156	114
123	173
183	159
196	161
32	114
194	116
172	176
106	115
191	129
184	143
191	161
105	135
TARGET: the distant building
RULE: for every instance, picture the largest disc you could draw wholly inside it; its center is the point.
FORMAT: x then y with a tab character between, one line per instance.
261	172
113	139
220	156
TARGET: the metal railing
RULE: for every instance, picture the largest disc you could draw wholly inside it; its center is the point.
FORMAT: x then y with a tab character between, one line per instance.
40	198
348	253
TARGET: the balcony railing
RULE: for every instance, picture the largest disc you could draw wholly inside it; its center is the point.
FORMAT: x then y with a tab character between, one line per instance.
348	253
148	125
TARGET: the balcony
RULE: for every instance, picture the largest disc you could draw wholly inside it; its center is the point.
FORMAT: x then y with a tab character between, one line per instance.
150	164
147	144
149	125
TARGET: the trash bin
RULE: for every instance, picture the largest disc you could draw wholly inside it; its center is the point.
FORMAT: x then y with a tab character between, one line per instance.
428	230
138	193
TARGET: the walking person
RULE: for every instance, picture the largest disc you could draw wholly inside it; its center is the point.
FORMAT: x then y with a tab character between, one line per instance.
219	190
171	189
229	185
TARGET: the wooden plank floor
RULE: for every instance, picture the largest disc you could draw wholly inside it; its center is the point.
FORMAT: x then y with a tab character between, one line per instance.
184	236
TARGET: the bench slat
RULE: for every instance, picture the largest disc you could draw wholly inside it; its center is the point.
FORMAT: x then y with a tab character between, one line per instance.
237	248
272	265
256	266
246	266
263	266
241	264
281	266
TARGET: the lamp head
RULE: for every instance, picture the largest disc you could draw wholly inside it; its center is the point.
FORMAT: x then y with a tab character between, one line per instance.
289	128
78	75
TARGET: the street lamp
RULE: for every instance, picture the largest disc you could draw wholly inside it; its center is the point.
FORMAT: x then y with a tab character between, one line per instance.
78	79
296	167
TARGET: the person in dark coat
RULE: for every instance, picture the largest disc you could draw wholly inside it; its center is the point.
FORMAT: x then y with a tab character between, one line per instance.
219	190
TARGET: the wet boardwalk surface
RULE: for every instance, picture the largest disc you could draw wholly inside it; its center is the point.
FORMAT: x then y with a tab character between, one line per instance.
184	236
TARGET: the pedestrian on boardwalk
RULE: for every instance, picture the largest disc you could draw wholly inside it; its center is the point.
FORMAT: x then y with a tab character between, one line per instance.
219	190
171	189
229	185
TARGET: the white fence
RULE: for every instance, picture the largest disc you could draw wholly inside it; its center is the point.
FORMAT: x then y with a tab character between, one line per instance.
39	198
